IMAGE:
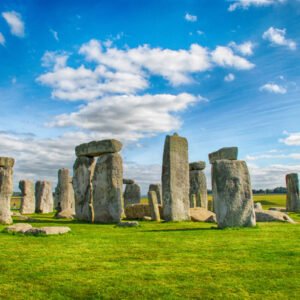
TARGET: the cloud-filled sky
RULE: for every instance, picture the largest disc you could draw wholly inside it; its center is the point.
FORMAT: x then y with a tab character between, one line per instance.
221	73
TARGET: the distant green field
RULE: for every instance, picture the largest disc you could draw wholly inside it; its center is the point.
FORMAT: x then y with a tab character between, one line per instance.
155	261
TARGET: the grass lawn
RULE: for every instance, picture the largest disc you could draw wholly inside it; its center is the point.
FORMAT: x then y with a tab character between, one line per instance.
155	261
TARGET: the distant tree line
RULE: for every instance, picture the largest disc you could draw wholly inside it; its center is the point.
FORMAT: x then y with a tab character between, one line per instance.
277	190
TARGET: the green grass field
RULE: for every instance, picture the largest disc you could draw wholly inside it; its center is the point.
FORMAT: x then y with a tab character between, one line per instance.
155	261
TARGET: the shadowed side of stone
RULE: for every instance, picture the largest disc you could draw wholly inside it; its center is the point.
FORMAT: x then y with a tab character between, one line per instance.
132	194
292	197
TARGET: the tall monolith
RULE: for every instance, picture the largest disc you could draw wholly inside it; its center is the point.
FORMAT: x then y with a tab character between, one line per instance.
43	197
28	197
292	196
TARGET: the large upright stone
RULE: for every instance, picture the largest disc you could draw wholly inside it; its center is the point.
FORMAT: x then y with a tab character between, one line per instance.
108	189
198	189
6	188
175	179
157	189
65	191
232	194
97	148
43	197
292	196
83	172
230	153
154	209
132	194
28	198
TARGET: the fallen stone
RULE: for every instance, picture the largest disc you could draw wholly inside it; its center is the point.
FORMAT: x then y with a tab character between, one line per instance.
175	179
197	166
132	194
128	181
230	153
272	216
200	214
97	148
139	211
53	230
65	214
292	196
257	205
282	209
128	224
146	218
232	194
18	228
28	197
156	187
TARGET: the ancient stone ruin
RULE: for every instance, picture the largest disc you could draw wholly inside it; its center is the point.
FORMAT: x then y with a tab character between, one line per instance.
28	197
175	179
132	193
64	194
231	187
198	186
153	203
157	189
98	185
43	197
6	188
292	197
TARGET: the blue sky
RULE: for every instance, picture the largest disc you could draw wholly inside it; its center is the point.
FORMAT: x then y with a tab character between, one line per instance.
217	72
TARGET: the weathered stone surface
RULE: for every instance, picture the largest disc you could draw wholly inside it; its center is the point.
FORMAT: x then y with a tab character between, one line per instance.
258	205
83	171
128	224
292	197
272	216
43	197
28	198
200	214
140	210
107	189
132	194
128	181
175	179
97	148
6	189
64	192
65	214
7	162
232	194
154	210
157	189
230	153
18	228
197	165
198	189
53	230
282	209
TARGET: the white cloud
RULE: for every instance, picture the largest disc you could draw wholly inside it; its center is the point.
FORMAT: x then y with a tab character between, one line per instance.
264	156
273	88
245	4
56	60
229	77
2	39
292	139
190	18
245	48
224	56
55	34
277	37
200	32
14	20
137	116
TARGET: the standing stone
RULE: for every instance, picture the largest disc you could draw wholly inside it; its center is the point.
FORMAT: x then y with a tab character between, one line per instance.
232	194
107	189
83	172
154	209
65	192
28	198
157	189
6	188
175	179
292	197
132	194
198	186
43	197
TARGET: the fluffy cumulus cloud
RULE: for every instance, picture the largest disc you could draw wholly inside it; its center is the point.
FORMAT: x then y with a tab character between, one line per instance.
291	139
245	4
15	22
273	88
229	77
190	18
277	37
245	48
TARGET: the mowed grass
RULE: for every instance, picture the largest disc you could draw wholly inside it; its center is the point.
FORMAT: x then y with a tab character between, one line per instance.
155	261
